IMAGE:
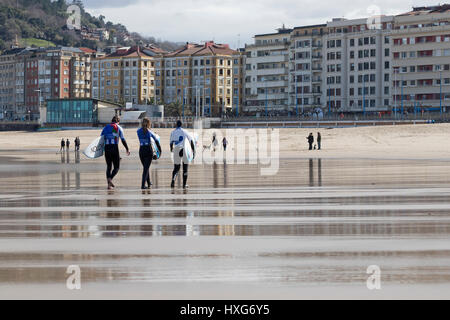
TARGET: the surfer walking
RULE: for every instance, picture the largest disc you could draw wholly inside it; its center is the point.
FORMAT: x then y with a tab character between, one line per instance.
146	154
112	133
178	138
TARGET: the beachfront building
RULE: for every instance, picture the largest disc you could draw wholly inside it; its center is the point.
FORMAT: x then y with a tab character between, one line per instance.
78	112
421	59
11	92
55	73
357	65
267	73
305	68
126	75
42	73
201	77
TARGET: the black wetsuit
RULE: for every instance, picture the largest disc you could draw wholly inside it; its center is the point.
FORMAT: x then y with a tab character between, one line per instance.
112	134
146	155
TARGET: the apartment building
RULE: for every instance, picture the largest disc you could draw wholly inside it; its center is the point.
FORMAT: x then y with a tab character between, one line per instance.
30	74
305	68
421	59
267	72
357	65
126	75
204	77
9	90
55	73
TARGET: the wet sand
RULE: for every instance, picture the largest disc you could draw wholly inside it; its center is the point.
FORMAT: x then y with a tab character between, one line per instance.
310	231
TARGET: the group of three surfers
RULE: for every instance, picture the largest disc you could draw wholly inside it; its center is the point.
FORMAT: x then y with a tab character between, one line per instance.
113	132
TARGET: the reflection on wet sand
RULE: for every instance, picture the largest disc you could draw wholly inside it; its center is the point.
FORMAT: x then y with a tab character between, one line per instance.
317	222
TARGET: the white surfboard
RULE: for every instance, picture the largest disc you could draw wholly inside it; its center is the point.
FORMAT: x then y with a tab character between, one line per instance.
188	153
96	148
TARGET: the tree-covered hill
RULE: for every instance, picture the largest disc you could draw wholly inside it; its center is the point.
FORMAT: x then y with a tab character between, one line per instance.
44	21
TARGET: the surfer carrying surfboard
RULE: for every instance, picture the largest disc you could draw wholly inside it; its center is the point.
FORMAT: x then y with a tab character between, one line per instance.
180	141
112	133
146	152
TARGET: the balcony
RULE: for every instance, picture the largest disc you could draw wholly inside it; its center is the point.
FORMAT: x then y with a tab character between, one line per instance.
317	57
268	59
317	45
276	83
263	72
316	69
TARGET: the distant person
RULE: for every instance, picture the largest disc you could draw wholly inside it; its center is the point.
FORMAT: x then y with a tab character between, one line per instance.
214	142
177	138
319	140
224	143
310	139
145	151
112	133
77	144
63	145
68	144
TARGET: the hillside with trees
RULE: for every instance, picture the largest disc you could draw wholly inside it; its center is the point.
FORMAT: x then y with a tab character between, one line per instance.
41	22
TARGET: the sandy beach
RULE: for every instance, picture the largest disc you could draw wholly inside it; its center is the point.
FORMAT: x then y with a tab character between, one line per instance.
427	141
372	196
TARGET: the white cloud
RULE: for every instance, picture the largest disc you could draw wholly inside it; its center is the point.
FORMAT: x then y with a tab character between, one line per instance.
224	20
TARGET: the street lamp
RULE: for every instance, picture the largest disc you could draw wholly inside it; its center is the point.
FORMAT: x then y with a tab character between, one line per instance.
395	93
265	90
440	92
38	91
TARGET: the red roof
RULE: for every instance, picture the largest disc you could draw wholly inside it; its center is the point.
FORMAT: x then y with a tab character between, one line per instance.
209	48
88	50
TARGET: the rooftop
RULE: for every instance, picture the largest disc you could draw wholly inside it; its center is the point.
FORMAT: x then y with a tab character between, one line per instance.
417	11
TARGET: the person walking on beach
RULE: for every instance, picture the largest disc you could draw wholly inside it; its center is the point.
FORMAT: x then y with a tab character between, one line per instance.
319	140
112	133
225	144
310	139
177	139
146	151
77	144
63	145
68	145
214	142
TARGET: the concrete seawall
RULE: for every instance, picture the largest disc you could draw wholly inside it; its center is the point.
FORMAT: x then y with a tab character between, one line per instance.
19	126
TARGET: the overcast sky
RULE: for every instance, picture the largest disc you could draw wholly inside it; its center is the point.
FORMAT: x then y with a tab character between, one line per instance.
233	21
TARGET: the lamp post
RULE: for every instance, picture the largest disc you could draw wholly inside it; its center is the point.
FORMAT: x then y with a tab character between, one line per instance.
364	95
401	116
296	94
395	94
265	90
39	98
440	92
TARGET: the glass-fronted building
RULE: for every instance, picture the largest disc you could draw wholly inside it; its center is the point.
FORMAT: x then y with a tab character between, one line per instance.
76	111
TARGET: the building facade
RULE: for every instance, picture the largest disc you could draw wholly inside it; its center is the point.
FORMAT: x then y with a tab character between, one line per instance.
35	75
377	64
126	75
267	72
206	78
11	83
305	70
357	65
421	60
